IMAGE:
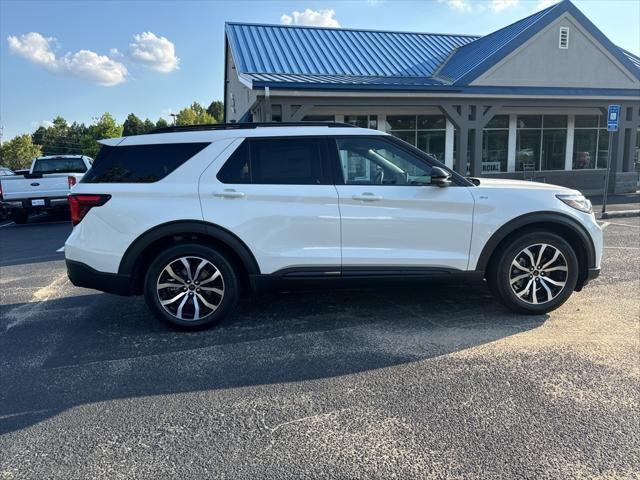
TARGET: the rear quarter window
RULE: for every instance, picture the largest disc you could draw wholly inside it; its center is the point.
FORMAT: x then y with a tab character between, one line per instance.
276	161
139	163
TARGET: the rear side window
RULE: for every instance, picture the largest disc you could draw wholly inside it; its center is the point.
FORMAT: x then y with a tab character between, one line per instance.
139	163
59	165
275	161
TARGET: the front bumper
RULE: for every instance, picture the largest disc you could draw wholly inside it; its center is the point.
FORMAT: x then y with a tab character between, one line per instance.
82	275
592	274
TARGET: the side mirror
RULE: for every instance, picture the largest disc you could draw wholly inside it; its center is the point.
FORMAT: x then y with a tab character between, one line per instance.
440	177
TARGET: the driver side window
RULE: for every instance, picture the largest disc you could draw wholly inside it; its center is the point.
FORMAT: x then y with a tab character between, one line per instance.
375	161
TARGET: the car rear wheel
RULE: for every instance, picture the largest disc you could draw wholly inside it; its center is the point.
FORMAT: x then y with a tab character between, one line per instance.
535	273
191	286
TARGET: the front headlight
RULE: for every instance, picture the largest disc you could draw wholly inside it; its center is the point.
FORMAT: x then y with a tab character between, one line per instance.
579	202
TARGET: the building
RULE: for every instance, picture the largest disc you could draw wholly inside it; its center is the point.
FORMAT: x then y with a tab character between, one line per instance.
527	101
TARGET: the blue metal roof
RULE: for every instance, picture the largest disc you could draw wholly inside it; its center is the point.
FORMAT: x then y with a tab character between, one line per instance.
331	51
280	56
470	56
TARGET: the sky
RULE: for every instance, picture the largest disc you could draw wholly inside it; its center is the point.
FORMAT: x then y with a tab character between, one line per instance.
79	59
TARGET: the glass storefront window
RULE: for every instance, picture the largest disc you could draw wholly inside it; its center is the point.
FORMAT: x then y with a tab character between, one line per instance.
585	144
432	142
362	121
427	132
541	142
590	143
554	147
495	143
319	118
401	122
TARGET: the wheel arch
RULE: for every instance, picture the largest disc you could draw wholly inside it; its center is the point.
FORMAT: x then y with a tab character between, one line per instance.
561	224
140	252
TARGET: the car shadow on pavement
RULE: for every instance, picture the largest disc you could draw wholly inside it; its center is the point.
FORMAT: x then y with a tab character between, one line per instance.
116	349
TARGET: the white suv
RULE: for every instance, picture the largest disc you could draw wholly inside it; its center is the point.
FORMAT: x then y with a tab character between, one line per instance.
190	216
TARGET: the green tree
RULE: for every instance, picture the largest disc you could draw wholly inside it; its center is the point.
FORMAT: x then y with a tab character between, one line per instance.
186	116
132	126
216	110
19	152
56	139
161	123
148	126
106	127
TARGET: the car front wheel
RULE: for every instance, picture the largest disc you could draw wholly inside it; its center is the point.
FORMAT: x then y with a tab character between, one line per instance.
535	273
191	286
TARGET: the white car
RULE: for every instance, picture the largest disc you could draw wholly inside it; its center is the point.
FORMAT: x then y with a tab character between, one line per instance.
44	187
189	216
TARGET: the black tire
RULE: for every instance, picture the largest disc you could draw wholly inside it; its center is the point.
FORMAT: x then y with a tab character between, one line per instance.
502	272
20	216
227	281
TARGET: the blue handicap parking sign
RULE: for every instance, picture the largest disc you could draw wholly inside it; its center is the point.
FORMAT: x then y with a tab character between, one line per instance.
613	118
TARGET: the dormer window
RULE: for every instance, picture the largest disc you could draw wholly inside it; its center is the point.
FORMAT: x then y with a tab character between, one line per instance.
563	41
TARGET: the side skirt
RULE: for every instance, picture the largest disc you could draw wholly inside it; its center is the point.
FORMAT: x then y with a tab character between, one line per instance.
314	278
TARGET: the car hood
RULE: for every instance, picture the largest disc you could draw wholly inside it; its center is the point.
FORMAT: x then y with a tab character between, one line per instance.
501	183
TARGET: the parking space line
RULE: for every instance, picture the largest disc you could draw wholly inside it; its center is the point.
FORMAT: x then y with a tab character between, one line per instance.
61	249
7	224
604	225
622	225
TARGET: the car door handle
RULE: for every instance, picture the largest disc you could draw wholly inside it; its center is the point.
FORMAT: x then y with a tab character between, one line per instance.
229	193
367	197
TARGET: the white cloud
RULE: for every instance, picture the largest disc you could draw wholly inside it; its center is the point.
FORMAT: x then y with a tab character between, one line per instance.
156	53
542	4
498	5
459	5
42	123
83	64
316	18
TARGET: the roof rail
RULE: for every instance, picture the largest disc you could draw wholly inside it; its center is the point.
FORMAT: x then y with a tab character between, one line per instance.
247	125
243	126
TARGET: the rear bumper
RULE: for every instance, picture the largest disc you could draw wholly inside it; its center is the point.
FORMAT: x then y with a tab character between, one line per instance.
82	275
51	202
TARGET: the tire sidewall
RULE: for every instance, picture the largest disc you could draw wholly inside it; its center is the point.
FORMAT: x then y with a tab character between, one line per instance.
502	280
229	276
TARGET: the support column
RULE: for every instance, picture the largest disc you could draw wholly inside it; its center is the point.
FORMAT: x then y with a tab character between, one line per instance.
511	146
568	156
462	141
475	169
449	135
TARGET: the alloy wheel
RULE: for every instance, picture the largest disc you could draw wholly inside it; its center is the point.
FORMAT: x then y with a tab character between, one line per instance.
538	273
190	288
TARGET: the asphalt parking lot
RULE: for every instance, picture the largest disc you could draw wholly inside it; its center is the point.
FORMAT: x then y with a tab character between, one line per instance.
427	382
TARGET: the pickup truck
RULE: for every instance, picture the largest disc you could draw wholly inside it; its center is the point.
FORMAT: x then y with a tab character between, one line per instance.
45	187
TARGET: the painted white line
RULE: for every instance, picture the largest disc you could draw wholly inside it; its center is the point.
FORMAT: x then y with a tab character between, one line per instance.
622	225
7	224
623	248
605	225
61	249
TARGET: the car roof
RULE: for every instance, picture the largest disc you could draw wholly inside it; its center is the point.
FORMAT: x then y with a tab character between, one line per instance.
273	130
49	157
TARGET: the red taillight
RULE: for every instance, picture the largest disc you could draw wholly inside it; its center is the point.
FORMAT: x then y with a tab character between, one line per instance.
71	180
81	203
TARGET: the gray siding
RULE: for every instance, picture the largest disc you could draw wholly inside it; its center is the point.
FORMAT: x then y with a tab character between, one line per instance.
239	97
540	62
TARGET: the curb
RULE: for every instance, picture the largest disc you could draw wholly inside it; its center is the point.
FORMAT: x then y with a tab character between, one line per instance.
621	214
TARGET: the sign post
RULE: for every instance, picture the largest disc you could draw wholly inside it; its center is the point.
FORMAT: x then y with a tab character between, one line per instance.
613	120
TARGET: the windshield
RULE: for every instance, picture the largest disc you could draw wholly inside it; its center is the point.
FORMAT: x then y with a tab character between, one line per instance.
59	165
